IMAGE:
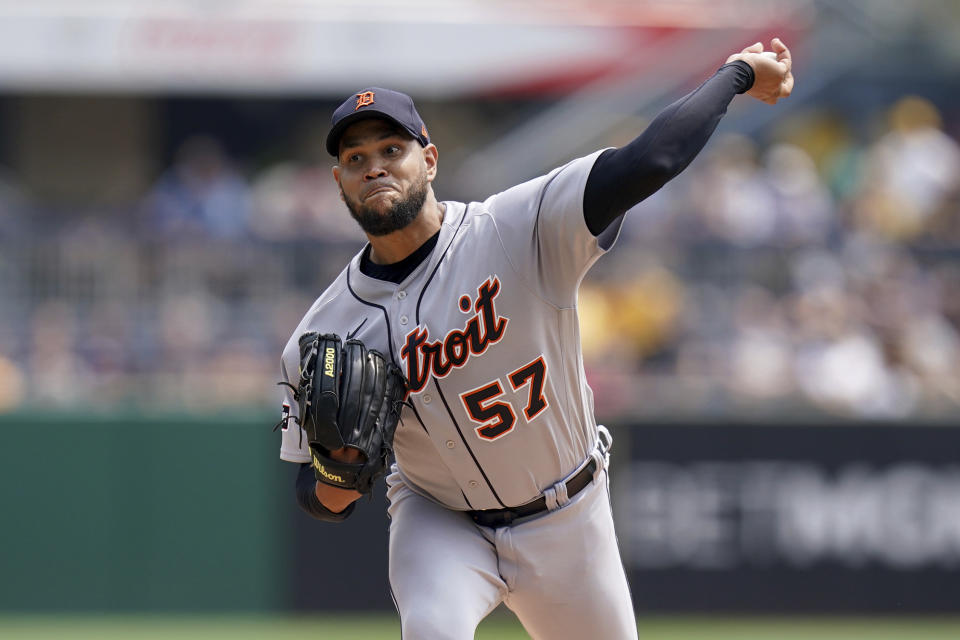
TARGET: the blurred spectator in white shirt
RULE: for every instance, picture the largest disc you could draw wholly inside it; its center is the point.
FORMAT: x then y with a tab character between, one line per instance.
911	173
803	204
736	202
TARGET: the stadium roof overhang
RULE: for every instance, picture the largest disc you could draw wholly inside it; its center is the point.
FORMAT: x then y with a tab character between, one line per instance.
438	48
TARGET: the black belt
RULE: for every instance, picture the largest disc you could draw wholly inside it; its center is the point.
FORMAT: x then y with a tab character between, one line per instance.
505	517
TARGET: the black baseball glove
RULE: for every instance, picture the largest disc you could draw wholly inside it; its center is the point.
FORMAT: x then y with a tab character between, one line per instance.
348	396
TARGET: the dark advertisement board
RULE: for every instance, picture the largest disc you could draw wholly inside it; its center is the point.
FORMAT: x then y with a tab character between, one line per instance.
790	518
341	566
730	518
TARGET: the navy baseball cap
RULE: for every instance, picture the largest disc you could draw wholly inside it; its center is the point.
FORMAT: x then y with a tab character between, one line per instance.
375	102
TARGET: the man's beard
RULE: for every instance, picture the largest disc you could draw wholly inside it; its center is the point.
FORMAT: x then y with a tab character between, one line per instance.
398	216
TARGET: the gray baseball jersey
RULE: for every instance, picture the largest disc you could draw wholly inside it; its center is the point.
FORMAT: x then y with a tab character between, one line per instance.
486	331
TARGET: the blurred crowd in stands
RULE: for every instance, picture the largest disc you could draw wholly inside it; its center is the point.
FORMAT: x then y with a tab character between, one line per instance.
815	275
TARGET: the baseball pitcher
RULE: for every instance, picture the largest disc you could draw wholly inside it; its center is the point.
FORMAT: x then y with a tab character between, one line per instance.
451	343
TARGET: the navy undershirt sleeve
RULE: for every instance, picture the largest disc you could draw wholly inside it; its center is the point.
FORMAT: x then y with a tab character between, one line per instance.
621	178
307	498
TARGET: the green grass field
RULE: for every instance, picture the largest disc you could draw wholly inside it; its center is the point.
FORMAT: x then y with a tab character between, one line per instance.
497	627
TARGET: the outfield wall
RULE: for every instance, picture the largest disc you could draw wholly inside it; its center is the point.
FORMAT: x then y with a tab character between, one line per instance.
126	513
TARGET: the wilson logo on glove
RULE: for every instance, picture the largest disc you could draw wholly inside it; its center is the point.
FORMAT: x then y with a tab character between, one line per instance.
323	472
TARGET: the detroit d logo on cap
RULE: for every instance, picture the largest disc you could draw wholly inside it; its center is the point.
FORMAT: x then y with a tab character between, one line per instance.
364	99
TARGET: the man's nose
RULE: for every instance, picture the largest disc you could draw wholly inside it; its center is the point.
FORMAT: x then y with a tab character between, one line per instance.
374	172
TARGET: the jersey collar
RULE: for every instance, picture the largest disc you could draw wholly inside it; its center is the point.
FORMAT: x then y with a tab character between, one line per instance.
378	291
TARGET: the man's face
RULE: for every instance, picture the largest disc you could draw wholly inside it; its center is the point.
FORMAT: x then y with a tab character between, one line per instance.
384	175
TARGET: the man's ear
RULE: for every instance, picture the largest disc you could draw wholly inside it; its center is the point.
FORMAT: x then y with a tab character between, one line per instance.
430	156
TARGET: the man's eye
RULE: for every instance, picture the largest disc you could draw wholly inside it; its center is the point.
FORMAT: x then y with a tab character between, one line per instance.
393	150
353	157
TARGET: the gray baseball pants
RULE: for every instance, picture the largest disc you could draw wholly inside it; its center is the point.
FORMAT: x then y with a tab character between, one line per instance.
559	572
